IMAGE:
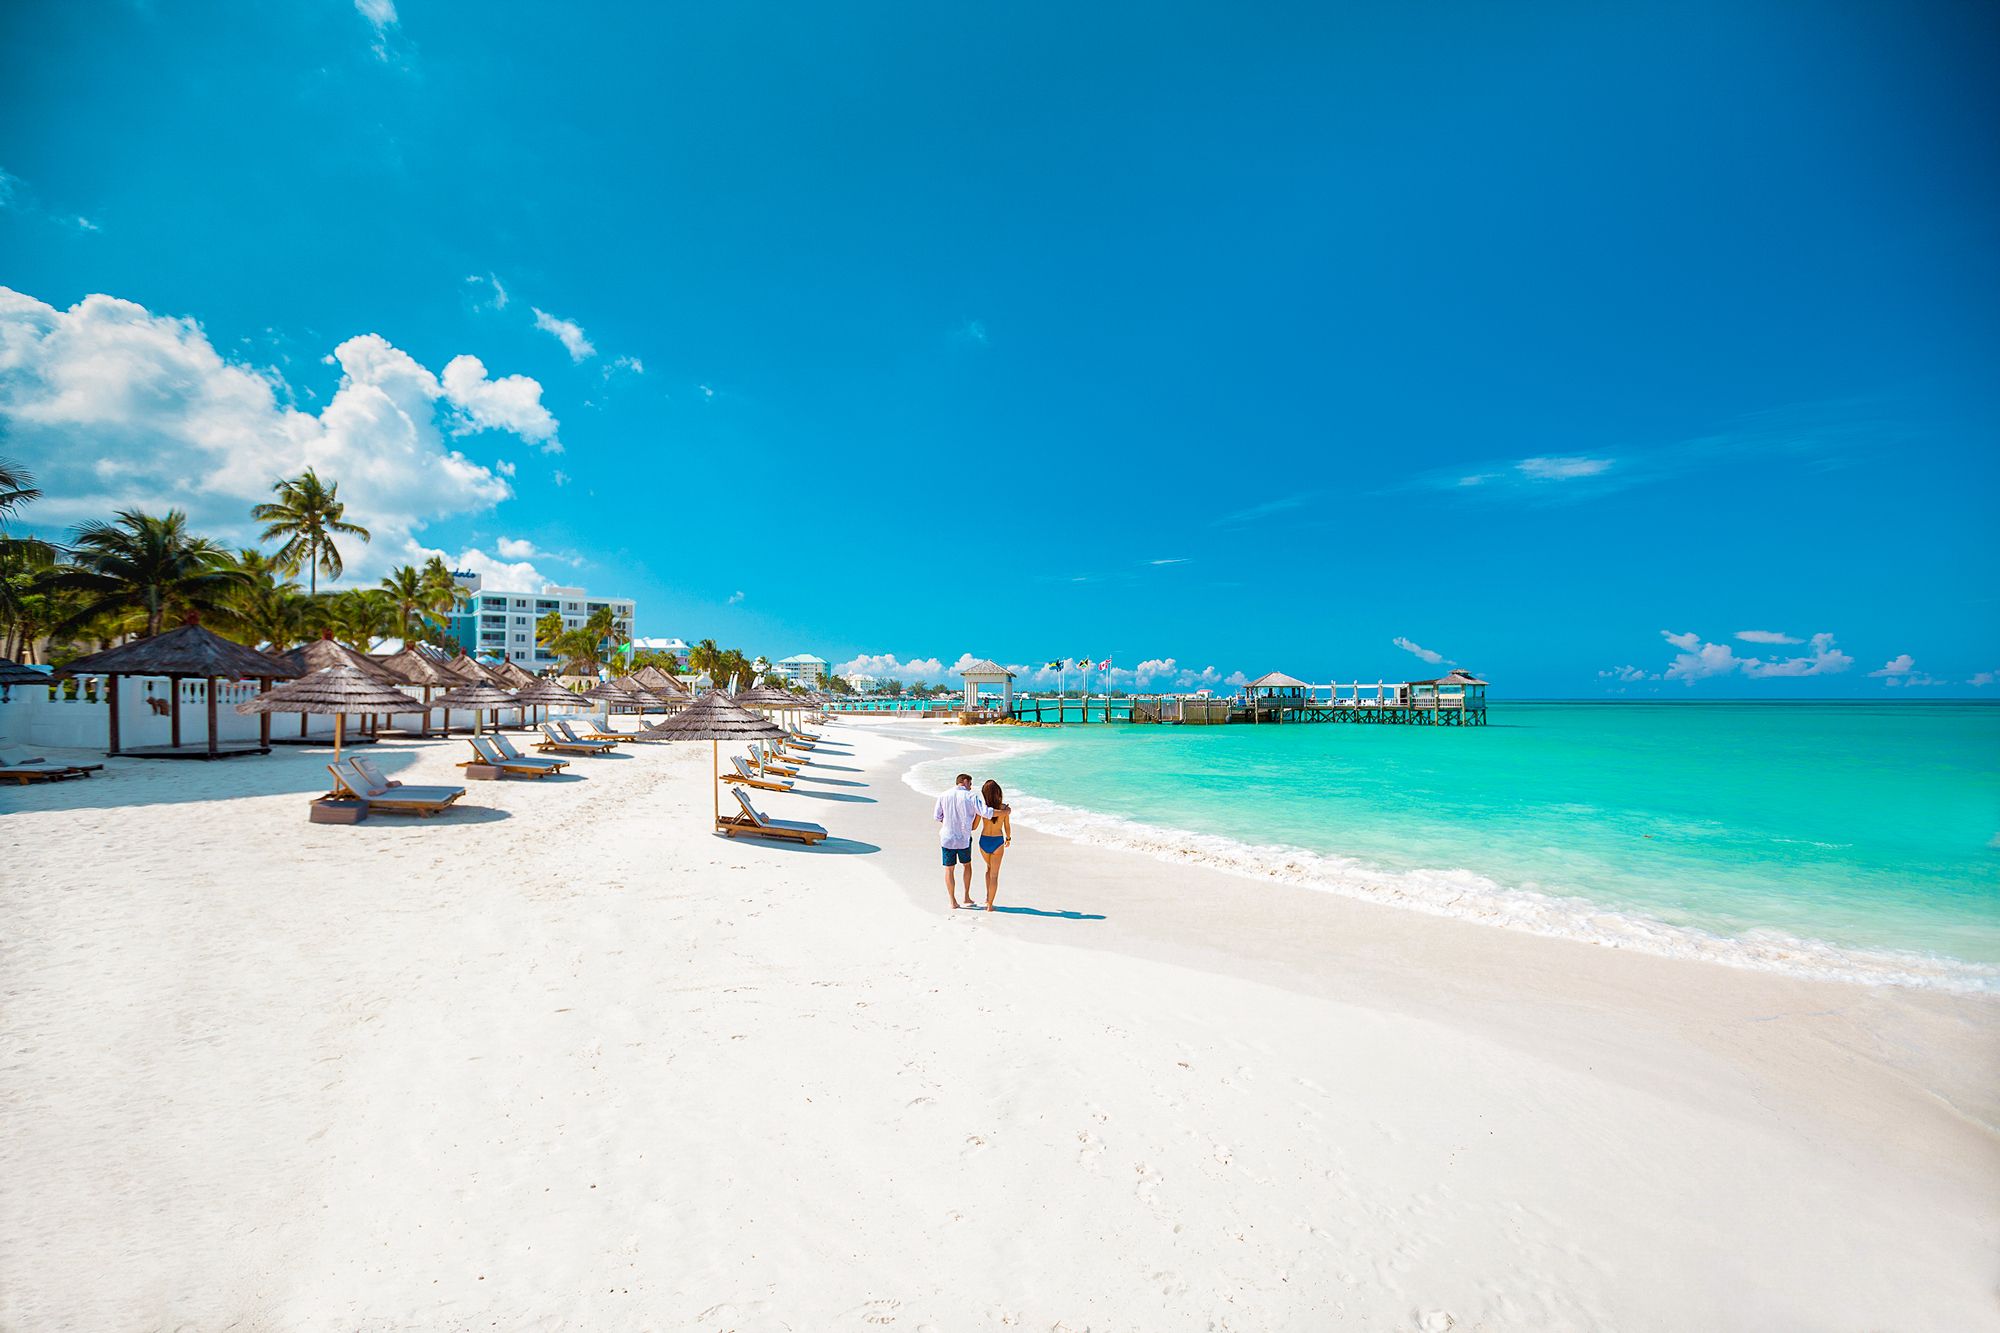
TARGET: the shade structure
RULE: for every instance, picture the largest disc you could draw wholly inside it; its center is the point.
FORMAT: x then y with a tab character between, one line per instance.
13	673
178	654
612	693
477	698
470	668
510	676
659	682
547	694
647	696
414	668
336	690
325	652
712	718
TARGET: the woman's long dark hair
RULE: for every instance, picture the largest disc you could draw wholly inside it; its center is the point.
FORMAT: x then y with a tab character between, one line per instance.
990	793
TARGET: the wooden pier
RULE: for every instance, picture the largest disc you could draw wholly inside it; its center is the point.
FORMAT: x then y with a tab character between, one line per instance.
1454	700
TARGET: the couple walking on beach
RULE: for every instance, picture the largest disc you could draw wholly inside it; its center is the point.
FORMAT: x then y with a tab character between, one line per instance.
962	813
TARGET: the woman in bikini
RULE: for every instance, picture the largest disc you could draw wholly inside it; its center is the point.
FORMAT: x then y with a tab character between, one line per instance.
995	834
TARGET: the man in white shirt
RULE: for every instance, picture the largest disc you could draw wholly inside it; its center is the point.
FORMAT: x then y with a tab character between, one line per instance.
958	813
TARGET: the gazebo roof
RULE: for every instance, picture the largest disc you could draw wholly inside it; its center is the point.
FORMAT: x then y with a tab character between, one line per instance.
512	676
13	673
326	652
475	695
1277	680
1456	676
659	682
470	668
415	668
546	693
986	667
188	651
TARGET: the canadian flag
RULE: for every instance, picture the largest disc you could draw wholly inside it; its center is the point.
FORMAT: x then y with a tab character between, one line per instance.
1105	665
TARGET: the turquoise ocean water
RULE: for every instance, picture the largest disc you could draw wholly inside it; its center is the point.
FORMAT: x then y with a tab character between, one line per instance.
1854	840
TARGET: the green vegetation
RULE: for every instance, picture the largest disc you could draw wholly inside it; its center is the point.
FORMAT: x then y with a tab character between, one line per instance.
308	516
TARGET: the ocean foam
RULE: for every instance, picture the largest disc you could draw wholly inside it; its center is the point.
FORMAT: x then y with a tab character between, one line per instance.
1466	895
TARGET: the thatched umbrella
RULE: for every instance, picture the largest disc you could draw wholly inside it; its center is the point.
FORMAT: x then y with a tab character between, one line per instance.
471	668
660	683
476	698
767	700
324	652
612	694
415	668
179	654
510	676
712	718
540	693
337	690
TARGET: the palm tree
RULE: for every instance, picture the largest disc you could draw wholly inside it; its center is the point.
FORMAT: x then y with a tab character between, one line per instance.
142	568
588	643
358	616
417	599
17	487
308	517
705	659
269	607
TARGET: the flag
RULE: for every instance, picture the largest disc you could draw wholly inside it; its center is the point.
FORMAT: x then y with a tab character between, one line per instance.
1059	664
1105	665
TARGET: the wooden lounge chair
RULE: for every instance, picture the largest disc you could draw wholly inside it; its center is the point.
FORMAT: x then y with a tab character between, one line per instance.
749	779
766	762
506	750
753	824
487	754
599	730
352	784
791	740
21	772
555	740
568	733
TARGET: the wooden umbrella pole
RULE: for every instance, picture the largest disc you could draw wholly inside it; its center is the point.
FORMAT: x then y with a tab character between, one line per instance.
209	682
339	733
715	777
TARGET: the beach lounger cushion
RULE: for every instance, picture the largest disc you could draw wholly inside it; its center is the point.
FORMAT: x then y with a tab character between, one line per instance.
754	822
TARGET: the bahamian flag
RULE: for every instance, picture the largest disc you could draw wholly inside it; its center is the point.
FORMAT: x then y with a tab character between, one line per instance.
1060	664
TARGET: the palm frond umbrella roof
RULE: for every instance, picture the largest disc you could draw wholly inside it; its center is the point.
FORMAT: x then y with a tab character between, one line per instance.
639	689
190	650
659	682
326	652
414	668
509	675
712	717
13	673
477	696
765	697
547	692
472	669
611	692
342	688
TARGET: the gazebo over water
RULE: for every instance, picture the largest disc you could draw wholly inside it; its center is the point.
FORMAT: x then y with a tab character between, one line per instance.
988	672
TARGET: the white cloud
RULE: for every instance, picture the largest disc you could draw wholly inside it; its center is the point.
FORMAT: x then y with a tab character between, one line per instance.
1238	679
1176	560
1153	668
85	224
1765	636
381	15
1625	674
886	666
10	189
504	468
499	298
735	597
1900	665
499	575
567	332
1561	469
1419	650
520	548
1823	660
974	331
1699	660
706	392
1983	678
512	403
630	364
561	478
115	407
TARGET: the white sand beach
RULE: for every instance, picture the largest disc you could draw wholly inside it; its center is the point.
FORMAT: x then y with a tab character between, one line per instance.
566	1060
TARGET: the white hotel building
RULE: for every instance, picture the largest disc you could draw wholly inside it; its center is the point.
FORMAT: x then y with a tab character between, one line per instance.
491	623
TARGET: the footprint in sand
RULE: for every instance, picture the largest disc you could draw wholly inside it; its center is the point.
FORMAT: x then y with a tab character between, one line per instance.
1436	1321
881	1310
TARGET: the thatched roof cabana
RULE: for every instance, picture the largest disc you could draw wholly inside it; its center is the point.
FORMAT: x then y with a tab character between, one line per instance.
511	676
190	652
414	668
547	694
471	668
13	673
659	682
326	652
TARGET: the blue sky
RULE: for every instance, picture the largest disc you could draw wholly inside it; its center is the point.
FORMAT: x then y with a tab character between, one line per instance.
1569	345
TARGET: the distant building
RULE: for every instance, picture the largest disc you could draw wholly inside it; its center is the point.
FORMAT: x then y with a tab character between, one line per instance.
802	669
861	682
490	623
678	647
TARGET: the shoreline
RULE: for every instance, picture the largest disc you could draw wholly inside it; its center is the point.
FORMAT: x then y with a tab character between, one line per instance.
572	1058
1460	894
